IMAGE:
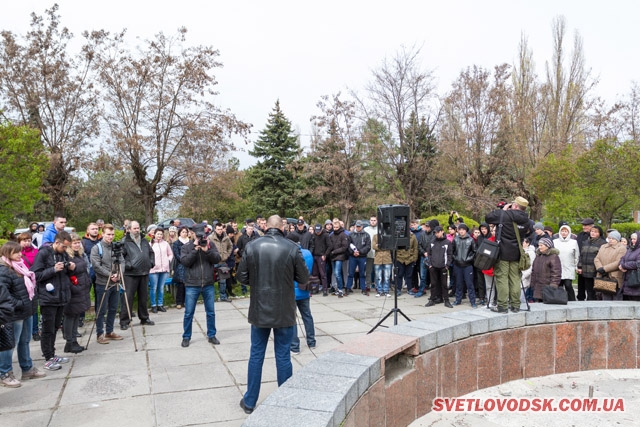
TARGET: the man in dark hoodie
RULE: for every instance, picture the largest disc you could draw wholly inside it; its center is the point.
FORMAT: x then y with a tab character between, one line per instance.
306	238
464	250
439	254
321	252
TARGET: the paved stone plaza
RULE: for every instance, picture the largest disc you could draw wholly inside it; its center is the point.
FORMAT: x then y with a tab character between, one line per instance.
163	384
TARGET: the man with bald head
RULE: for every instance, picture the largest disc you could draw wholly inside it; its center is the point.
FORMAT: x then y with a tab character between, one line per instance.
270	265
139	258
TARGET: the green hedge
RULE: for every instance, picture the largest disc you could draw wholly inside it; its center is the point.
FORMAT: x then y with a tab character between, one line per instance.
443	219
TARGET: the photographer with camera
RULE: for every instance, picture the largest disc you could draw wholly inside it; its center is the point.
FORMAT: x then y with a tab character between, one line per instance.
513	219
199	258
139	259
106	259
53	268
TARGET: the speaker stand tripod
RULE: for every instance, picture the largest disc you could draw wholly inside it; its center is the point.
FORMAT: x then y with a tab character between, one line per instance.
395	310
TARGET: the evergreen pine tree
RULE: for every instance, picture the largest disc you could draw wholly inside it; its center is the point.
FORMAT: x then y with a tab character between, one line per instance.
272	183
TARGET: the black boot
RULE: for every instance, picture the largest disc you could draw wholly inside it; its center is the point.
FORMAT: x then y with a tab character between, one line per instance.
73	347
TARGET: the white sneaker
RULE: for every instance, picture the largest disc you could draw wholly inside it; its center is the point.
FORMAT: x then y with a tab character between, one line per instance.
8	380
378	294
51	365
59	360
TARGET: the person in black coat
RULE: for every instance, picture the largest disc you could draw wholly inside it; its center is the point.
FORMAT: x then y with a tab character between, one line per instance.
321	252
139	259
80	300
18	285
199	259
178	268
269	266
53	268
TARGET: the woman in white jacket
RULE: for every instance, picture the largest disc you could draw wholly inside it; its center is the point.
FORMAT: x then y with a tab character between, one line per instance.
526	274
569	257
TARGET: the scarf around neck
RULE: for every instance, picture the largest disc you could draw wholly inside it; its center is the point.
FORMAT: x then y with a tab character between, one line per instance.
28	276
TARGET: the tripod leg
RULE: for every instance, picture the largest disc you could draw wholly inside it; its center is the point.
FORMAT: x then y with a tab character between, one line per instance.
126	303
524	293
493	283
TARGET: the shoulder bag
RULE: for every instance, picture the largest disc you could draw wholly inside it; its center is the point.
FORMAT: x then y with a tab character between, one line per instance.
7	338
632	279
488	252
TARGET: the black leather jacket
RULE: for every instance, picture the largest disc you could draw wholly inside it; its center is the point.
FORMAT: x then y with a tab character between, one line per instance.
361	241
137	260
464	250
198	264
270	265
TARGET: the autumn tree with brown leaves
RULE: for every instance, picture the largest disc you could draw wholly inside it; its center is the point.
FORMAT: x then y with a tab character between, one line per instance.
43	86
161	116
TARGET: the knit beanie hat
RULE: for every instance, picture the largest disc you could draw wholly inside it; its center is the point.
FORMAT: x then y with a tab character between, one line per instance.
546	241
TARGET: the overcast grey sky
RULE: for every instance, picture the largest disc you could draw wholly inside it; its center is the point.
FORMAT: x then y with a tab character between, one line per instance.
297	51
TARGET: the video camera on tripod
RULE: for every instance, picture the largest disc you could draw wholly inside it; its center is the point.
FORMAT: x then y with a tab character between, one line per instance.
116	251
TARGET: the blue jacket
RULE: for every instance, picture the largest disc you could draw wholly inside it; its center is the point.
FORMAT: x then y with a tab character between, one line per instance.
308	259
49	234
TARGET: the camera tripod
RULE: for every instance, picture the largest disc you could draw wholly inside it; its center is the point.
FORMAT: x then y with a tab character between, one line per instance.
395	310
116	269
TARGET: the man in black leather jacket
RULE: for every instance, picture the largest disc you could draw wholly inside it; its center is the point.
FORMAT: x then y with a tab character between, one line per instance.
269	266
464	250
199	261
138	260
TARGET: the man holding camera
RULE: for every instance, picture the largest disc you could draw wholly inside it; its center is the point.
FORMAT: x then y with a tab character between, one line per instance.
52	269
199	258
139	259
506	271
106	259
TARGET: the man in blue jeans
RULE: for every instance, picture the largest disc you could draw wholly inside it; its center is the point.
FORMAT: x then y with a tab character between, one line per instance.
107	285
198	258
270	265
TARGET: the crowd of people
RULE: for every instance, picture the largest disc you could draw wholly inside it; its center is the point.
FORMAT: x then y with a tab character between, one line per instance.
47	274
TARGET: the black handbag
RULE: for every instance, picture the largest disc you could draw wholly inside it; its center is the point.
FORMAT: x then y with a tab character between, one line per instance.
488	252
632	279
554	295
7	339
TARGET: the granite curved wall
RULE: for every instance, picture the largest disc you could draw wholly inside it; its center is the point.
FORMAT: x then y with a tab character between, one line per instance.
390	378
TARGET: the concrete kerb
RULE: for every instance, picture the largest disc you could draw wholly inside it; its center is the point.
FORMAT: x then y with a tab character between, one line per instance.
325	379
